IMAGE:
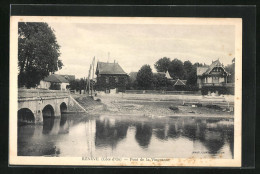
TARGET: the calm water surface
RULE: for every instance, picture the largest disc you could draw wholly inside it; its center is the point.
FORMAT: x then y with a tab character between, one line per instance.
121	136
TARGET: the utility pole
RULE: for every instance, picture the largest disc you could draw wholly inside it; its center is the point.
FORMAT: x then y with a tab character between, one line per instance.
88	84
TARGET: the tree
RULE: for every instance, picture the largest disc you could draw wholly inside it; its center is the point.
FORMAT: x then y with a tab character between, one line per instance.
78	84
231	69
187	65
197	64
144	77
159	81
38	53
192	76
176	69
74	84
162	64
82	84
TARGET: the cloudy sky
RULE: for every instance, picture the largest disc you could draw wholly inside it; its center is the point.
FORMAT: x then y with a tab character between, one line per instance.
133	45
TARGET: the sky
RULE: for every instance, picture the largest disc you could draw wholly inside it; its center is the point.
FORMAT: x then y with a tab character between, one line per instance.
133	45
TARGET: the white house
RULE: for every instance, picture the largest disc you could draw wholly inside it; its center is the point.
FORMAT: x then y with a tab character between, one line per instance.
54	81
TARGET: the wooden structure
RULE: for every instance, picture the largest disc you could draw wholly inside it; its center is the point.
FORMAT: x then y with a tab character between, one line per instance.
213	78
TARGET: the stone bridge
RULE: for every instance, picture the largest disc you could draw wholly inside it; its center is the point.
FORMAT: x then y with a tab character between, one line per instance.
34	104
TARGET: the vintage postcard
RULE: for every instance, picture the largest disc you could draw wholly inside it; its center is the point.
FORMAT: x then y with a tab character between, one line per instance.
125	91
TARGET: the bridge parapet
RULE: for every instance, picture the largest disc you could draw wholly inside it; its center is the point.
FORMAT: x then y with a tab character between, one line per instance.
40	93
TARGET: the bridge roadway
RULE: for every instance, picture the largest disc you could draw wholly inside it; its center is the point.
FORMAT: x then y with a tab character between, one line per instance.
35	104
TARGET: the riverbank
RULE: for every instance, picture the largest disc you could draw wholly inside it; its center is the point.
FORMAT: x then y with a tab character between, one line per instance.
157	105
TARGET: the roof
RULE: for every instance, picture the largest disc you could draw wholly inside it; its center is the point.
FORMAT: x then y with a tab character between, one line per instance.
213	65
206	70
55	78
109	68
180	82
168	76
69	77
201	70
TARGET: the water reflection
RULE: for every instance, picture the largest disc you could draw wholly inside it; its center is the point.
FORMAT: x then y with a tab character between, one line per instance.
178	137
143	134
64	125
109	132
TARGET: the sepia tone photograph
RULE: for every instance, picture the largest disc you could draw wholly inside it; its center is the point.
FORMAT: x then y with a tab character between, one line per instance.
125	91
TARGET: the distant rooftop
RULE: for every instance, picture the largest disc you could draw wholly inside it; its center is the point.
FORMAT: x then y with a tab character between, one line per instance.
56	79
109	68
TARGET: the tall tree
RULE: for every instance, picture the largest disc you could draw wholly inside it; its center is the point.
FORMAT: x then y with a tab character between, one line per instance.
144	77
159	81
162	64
176	69
38	53
192	76
187	65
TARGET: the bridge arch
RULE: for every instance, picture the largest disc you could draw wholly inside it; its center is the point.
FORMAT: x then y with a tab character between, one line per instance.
48	111
25	115
63	107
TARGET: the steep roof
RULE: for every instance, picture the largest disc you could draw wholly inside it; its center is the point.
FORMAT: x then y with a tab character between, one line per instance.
213	65
109	68
55	78
206	70
167	75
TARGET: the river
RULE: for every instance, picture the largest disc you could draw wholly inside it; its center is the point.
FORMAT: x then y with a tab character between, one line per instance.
80	135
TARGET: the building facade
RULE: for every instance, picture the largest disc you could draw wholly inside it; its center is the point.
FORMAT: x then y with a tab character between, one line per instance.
111	78
54	82
213	79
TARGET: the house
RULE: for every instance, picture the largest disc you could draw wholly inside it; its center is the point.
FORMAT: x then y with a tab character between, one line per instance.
111	78
54	82
212	78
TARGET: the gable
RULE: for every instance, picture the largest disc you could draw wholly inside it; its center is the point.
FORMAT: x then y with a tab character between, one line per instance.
180	82
215	67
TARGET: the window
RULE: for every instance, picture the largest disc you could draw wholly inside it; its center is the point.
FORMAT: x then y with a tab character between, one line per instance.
107	80
116	79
